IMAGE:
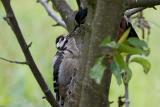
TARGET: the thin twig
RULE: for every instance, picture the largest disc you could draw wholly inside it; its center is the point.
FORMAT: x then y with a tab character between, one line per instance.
143	25
29	45
126	84
126	95
51	13
133	11
65	11
31	63
15	62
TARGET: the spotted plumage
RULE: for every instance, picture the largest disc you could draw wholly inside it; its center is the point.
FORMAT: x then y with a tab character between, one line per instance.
65	63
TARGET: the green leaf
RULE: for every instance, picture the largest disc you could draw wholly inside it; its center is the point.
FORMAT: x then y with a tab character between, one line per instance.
128	49
106	41
120	60
144	62
116	72
136	42
124	36
97	70
141	44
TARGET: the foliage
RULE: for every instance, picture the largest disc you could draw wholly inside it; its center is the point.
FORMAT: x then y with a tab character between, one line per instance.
124	50
145	63
97	71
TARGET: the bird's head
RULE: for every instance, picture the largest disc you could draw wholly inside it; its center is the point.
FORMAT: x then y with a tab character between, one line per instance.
61	42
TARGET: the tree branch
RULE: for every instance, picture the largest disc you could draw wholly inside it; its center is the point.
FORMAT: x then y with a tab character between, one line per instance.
11	19
126	95
133	11
16	62
141	3
66	12
51	13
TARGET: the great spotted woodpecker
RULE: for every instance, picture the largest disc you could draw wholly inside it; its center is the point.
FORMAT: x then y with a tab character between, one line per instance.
65	64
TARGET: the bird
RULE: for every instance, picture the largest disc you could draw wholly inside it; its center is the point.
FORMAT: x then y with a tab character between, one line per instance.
124	25
65	64
80	16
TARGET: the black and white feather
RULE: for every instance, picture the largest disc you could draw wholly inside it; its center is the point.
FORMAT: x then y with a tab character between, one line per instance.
65	64
80	15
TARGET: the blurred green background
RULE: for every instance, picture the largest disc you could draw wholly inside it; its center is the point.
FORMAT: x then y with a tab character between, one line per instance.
18	87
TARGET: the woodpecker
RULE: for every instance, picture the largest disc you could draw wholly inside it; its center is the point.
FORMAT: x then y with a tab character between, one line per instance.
65	64
80	15
124	25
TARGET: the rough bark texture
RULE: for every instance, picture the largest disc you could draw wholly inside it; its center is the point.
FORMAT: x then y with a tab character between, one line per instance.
141	3
102	21
105	23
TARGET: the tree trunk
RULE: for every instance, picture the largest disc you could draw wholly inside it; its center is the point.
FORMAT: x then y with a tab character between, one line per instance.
102	21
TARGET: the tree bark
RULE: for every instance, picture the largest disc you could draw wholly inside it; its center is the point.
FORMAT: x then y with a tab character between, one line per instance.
102	21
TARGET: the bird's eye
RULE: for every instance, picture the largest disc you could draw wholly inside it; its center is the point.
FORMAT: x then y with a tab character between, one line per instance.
61	39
